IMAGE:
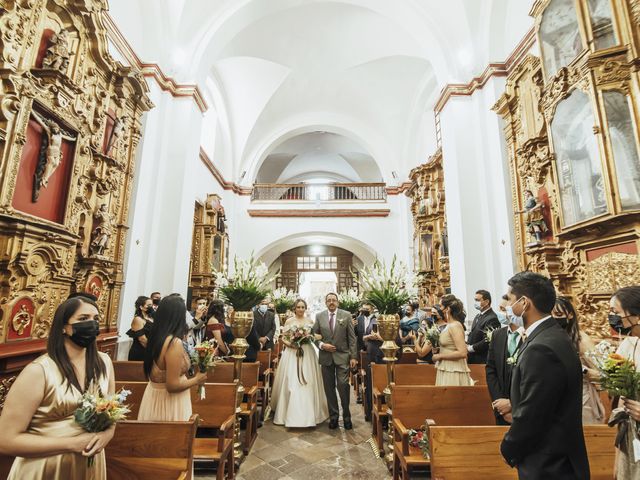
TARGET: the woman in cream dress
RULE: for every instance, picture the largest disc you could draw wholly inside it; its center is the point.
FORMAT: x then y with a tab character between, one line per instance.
37	421
298	397
451	360
167	397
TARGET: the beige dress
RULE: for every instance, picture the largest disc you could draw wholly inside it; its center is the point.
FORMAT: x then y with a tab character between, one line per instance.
451	372
158	405
628	469
54	418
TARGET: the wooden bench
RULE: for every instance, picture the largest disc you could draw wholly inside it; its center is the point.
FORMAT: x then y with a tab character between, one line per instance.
360	380
217	410
450	447
413	405
265	380
129	371
158	450
135	397
223	373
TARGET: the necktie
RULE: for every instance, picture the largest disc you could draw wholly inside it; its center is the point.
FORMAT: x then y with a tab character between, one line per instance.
513	342
331	322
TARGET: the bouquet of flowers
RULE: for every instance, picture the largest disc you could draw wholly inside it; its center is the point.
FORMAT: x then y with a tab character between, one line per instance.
283	299
202	357
619	377
432	335
96	413
388	289
419	439
488	334
298	336
349	300
247	286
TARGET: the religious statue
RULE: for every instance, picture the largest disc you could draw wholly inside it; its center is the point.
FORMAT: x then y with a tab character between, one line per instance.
21	320
534	219
58	52
102	231
117	133
50	152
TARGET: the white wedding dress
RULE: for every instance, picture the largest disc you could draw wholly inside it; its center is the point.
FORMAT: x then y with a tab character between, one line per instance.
298	398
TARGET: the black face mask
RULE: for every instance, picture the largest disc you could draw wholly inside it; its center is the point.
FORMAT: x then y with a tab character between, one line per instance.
85	333
615	322
562	321
156	301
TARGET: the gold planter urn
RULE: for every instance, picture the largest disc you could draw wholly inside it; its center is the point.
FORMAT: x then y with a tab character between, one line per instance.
241	323
388	329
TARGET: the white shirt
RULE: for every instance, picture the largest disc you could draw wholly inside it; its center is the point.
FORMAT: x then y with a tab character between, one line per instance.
367	321
534	325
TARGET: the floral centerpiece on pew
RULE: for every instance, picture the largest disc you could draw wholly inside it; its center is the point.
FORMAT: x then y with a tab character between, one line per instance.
419	439
97	413
283	300
350	300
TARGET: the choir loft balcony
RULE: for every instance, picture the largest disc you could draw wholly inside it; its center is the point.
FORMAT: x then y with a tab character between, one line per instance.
319	192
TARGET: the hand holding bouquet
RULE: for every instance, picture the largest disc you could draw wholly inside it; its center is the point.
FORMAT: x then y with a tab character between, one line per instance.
202	358
296	336
97	413
432	335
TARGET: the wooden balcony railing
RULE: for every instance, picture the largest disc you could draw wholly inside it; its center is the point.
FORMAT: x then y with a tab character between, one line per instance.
324	192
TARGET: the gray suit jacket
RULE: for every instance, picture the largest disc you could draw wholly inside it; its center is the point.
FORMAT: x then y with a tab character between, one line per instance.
343	337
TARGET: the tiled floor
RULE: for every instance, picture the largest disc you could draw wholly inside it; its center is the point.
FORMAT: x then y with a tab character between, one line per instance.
311	454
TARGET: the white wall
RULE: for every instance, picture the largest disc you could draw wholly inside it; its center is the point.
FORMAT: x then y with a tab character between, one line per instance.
478	196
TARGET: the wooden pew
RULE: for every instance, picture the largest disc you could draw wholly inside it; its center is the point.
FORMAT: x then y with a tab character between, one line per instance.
135	398
379	409
129	371
450	447
413	405
265	380
217	411
158	450
361	379
223	373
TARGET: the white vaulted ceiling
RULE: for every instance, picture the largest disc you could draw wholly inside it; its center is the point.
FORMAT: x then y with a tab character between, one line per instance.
364	71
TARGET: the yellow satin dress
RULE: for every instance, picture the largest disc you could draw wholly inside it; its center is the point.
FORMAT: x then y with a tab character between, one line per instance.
54	418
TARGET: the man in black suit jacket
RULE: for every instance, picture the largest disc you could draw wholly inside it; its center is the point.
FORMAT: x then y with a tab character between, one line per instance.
504	348
477	344
370	341
265	323
545	440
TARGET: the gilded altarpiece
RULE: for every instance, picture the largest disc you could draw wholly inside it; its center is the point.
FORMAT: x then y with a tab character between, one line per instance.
69	129
430	230
209	247
571	127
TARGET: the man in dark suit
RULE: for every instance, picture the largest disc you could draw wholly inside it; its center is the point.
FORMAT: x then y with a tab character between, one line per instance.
477	344
504	348
370	341
265	322
545	439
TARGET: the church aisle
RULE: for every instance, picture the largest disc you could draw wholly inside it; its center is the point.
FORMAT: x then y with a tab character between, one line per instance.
319	453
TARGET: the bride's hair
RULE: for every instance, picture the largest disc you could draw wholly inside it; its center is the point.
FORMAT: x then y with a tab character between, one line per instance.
298	300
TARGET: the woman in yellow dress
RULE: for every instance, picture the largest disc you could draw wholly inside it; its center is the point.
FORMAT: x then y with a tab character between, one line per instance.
167	397
451	360
37	421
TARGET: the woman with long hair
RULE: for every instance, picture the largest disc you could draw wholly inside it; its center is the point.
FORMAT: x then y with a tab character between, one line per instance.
451	360
216	325
140	328
565	315
37	421
298	398
624	315
166	364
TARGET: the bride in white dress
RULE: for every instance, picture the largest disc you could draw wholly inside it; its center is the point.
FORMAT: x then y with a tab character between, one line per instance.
298	398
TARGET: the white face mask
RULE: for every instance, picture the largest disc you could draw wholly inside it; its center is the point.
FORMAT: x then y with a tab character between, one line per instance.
477	305
515	319
262	308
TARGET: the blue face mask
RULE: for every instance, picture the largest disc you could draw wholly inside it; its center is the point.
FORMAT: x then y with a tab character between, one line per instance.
477	306
262	308
503	318
515	319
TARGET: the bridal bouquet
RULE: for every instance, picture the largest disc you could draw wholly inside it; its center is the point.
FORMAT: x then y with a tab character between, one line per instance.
298	336
432	335
283	299
202	357
247	286
96	413
349	300
388	289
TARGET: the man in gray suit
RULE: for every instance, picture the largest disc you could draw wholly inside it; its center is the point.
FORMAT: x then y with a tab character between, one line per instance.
338	353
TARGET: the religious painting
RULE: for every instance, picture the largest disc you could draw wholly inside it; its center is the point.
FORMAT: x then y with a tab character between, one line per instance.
426	252
21	320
